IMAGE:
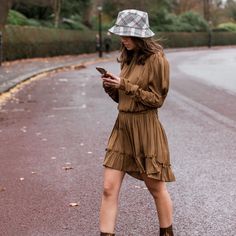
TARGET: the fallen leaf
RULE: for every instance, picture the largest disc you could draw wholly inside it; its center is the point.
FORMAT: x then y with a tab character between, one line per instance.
74	204
2	189
67	167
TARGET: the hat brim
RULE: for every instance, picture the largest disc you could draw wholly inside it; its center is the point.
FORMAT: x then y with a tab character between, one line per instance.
131	32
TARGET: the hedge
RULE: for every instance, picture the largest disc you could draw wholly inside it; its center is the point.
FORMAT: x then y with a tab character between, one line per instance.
23	42
28	42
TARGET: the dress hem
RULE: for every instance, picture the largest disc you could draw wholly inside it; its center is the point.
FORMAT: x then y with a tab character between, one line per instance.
152	168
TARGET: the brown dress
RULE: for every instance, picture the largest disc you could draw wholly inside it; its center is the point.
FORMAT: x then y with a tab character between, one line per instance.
138	143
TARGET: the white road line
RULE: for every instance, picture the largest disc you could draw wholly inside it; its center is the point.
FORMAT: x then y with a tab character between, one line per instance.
65	108
203	109
70	108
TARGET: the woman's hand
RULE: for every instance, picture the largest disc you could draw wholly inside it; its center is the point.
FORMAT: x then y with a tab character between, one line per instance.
110	80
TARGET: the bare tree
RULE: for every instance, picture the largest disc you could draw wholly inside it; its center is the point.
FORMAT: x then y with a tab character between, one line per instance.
181	6
206	9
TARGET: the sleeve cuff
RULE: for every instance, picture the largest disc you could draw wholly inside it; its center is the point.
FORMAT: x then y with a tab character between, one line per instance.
128	87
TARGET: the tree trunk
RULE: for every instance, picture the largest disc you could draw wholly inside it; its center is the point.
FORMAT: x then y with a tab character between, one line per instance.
4	9
206	8
57	11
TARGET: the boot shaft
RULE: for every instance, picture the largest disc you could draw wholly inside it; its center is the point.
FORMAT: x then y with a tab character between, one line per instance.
166	231
106	234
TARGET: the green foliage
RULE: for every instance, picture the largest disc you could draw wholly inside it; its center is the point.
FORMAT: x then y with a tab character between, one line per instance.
74	7
231	9
34	22
22	42
193	22
16	18
106	24
72	13
29	42
74	22
32	11
161	17
229	26
110	8
186	22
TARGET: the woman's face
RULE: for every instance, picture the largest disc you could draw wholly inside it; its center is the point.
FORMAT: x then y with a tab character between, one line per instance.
128	42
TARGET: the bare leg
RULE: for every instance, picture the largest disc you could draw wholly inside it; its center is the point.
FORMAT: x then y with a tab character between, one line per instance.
162	200
109	206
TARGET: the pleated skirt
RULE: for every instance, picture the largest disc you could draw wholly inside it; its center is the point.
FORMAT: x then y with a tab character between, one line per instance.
138	145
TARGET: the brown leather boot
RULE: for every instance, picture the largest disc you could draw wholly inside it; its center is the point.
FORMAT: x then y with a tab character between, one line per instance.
166	231
106	234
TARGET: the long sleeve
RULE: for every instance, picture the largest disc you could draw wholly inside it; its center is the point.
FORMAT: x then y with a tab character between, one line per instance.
158	84
112	92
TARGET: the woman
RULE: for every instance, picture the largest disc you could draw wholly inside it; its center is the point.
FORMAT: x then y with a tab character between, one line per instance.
138	144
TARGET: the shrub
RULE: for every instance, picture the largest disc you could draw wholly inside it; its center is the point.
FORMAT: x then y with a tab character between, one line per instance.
192	22
74	23
27	41
16	18
229	26
187	22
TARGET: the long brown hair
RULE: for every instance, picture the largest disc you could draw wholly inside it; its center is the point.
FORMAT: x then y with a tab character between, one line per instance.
145	47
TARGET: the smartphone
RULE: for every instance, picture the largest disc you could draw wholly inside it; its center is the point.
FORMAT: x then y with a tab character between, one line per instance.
101	70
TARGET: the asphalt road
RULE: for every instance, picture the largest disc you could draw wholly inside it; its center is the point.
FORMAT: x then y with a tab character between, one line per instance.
53	133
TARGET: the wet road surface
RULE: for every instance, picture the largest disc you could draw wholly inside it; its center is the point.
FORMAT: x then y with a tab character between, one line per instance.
53	133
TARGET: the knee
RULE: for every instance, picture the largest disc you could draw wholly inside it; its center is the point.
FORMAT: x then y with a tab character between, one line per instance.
109	190
158	193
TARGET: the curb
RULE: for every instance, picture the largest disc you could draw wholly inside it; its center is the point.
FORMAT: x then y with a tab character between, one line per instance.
9	85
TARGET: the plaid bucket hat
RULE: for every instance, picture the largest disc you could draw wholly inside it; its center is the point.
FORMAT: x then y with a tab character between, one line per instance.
132	23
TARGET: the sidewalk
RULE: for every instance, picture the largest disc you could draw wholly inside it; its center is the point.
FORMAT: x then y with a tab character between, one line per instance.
12	73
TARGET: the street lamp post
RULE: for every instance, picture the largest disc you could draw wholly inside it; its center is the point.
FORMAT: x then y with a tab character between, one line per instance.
100	29
209	34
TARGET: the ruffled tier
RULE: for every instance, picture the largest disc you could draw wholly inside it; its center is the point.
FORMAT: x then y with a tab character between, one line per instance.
138	145
133	166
